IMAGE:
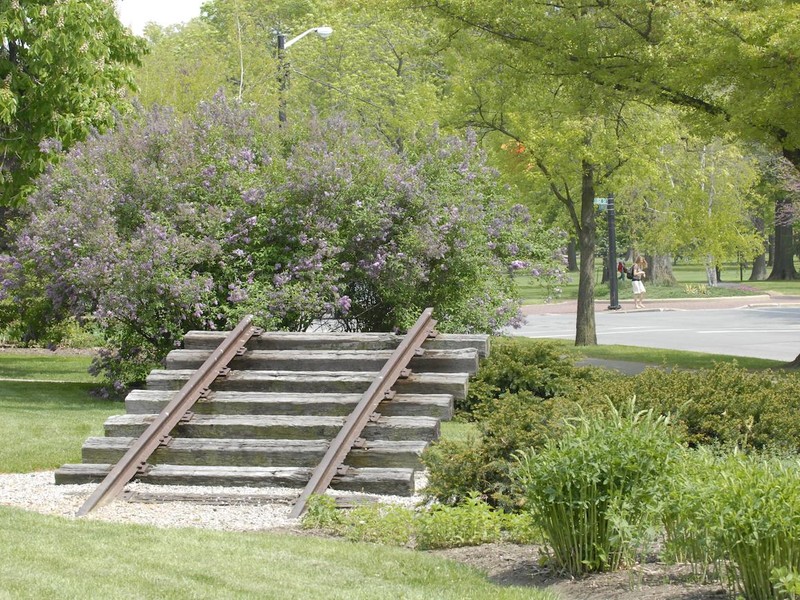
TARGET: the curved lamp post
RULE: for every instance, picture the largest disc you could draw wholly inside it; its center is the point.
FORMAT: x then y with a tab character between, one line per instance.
283	73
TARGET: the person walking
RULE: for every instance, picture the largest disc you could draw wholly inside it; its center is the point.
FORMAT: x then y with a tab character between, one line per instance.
639	275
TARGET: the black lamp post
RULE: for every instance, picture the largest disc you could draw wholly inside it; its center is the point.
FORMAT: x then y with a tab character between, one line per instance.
283	67
612	256
283	78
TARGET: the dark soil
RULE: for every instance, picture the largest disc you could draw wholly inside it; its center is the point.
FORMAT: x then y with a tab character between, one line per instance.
526	566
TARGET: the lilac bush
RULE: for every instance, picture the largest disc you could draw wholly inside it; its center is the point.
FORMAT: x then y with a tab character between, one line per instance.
167	224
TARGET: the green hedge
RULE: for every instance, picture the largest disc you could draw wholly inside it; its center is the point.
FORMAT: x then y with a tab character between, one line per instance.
526	390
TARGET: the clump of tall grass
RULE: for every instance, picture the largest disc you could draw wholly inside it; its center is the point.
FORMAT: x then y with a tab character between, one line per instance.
597	490
741	513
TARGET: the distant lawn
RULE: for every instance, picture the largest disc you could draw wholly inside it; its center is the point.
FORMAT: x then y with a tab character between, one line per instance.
44	425
670	358
45	366
691	284
46	419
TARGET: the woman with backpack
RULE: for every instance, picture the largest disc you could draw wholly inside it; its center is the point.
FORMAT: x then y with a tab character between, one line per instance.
638	275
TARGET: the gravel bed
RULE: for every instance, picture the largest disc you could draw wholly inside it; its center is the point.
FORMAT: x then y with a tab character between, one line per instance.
38	492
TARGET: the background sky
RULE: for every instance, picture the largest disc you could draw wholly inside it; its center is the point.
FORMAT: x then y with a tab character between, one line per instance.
135	13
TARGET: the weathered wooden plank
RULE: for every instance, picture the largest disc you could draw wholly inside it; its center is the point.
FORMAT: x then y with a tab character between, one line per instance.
221	452
398	482
278	427
454	384
251	498
257	453
82	473
267	403
462	360
286	340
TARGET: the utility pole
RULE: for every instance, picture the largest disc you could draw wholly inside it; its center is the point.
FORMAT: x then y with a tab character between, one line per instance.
282	78
283	68
612	256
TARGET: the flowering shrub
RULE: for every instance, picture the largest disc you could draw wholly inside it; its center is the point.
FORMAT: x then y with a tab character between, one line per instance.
169	224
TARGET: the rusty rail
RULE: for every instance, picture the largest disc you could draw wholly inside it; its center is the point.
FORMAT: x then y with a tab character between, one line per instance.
157	433
380	389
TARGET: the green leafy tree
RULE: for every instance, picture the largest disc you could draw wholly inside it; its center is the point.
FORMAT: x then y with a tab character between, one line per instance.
694	199
734	65
63	68
526	89
184	66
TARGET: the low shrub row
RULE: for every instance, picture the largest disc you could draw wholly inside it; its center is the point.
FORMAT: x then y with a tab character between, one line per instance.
740	515
527	389
613	486
470	524
598	489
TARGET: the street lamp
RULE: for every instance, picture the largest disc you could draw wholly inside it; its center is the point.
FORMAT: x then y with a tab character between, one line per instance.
283	72
612	255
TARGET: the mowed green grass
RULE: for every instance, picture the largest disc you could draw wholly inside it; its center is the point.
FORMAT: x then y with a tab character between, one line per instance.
47	410
45	367
658	357
43	425
689	277
45	557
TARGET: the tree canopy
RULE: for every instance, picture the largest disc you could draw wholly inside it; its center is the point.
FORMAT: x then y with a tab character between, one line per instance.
64	66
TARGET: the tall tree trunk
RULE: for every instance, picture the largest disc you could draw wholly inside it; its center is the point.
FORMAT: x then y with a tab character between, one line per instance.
783	265
572	256
759	271
6	214
659	269
585	331
771	250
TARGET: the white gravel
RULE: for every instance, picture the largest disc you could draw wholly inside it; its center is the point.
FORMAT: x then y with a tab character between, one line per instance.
38	492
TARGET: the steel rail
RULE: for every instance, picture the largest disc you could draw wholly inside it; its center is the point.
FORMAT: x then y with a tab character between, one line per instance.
157	433
395	367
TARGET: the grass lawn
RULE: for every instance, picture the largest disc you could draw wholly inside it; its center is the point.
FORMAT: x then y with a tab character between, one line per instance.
53	557
46	419
691	283
669	358
45	367
44	425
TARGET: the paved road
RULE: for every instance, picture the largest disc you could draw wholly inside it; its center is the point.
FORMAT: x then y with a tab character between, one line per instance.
755	326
